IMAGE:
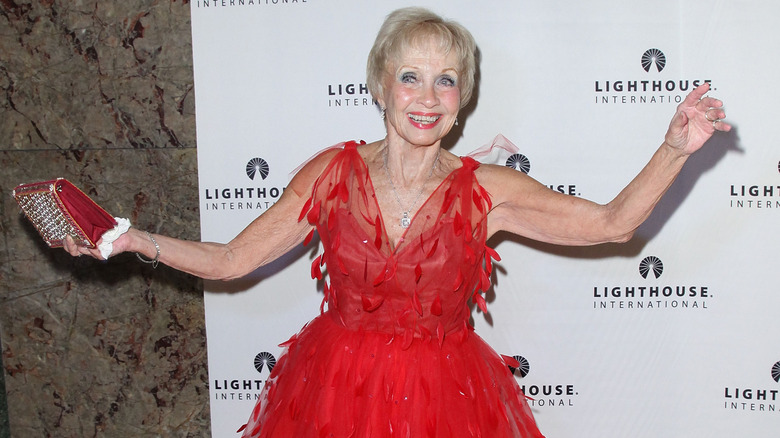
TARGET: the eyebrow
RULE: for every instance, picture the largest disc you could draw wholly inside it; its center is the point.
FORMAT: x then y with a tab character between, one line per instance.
413	67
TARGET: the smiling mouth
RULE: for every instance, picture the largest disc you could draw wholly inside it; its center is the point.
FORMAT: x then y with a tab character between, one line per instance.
424	120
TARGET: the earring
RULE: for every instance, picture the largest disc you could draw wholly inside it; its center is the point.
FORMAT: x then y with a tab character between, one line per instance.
456	121
383	113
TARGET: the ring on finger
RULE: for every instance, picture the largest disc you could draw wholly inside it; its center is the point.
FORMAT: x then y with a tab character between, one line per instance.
707	115
715	122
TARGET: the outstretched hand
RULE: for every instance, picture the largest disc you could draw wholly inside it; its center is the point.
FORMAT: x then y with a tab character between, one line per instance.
696	119
76	250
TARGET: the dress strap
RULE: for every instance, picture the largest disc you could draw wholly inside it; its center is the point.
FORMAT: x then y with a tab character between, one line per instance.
341	145
496	152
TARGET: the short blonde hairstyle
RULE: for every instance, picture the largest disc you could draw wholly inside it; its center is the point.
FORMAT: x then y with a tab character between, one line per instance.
414	27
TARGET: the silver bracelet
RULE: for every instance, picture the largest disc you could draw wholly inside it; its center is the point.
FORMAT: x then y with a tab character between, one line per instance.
156	259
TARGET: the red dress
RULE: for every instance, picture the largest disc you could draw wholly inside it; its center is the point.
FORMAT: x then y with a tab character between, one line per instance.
393	353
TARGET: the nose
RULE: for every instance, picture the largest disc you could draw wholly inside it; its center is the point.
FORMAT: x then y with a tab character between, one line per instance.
428	95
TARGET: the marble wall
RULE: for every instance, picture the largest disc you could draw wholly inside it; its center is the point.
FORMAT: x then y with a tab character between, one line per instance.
101	93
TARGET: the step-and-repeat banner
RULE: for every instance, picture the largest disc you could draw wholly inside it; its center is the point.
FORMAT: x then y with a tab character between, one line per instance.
674	334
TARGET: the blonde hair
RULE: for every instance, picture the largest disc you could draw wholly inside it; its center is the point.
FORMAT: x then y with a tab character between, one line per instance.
414	27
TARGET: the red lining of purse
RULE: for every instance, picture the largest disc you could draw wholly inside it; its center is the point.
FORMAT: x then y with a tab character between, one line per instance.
81	212
86	214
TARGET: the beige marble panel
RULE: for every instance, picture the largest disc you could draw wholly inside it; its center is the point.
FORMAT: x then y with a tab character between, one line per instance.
104	348
96	74
100	93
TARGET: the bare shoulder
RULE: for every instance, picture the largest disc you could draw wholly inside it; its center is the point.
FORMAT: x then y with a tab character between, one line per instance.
488	173
504	183
303	181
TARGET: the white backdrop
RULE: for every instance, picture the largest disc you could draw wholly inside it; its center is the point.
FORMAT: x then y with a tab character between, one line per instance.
620	354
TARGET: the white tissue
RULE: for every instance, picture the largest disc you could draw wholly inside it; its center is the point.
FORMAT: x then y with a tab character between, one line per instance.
106	246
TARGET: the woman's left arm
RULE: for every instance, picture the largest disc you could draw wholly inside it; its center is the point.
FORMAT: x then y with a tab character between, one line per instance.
525	207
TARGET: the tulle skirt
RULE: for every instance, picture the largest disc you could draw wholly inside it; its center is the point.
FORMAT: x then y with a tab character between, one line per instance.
338	382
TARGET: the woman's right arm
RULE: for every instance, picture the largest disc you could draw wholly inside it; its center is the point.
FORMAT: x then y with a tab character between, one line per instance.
269	236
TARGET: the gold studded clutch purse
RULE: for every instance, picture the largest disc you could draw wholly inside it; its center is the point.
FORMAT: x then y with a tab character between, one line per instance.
57	209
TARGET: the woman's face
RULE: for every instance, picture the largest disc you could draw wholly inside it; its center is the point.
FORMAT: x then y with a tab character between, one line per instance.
421	95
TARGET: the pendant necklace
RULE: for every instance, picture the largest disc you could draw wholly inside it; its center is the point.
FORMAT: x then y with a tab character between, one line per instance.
406	220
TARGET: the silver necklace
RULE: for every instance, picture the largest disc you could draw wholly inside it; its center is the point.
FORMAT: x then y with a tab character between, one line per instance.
406	220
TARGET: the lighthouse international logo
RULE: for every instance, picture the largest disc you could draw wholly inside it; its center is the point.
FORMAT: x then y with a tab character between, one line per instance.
519	162
755	396
349	94
651	264
542	394
230	4
257	167
760	196
650	293
644	82
522	368
254	197
653	58
265	360
522	163
247	386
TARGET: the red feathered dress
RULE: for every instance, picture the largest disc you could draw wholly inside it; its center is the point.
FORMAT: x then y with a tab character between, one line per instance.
393	354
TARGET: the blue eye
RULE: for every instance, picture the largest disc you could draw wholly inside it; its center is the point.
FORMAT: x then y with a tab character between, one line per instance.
447	81
408	78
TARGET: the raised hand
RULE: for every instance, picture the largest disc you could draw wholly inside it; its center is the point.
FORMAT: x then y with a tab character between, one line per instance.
696	119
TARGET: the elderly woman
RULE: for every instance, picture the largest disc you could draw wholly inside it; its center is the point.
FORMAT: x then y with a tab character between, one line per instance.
403	226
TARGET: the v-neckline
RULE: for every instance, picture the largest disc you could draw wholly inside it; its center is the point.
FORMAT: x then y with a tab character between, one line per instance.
394	246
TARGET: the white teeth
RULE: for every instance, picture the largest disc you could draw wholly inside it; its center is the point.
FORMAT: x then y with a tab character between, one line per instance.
423	119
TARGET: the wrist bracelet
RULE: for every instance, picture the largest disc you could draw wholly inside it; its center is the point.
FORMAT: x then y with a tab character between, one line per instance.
156	259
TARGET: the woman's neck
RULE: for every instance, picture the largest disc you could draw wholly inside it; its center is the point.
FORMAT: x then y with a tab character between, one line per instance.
409	165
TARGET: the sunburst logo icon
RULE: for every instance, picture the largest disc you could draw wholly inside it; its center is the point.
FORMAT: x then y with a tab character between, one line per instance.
519	162
776	372
523	368
653	57
257	166
651	264
265	359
